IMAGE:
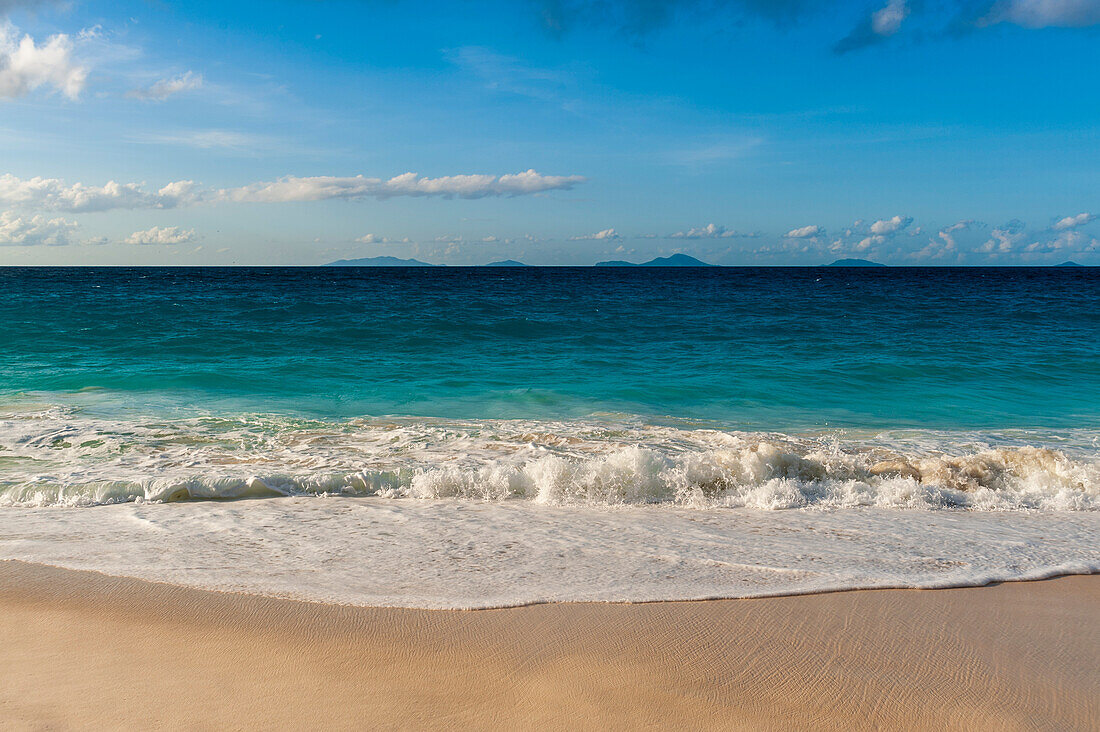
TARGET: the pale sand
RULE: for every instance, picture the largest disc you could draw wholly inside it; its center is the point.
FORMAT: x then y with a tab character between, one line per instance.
79	649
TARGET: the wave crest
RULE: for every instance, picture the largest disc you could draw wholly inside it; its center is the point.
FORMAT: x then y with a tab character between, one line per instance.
55	457
766	476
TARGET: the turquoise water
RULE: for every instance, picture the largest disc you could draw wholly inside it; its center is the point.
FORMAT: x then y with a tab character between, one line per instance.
752	349
773	388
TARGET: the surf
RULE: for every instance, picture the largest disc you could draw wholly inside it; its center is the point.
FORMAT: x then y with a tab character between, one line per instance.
59	456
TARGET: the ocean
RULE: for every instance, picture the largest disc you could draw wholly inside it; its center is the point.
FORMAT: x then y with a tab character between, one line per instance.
474	437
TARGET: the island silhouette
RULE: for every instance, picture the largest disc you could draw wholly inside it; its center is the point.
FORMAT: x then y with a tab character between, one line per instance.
675	260
855	263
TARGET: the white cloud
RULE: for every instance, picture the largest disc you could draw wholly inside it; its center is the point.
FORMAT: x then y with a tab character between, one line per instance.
371	239
165	88
605	235
805	232
1072	222
710	231
1044	13
1014	239
944	244
26	66
320	188
887	21
34	230
1004	239
162	235
886	227
1065	242
882	231
54	194
947	234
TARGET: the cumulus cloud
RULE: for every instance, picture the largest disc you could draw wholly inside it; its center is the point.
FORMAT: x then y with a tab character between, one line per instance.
805	232
886	227
875	238
162	235
1004	239
965	241
165	88
947	234
1044	13
1064	242
34	230
371	239
944	244
1072	222
882	231
1013	239
55	195
26	66
710	231
605	235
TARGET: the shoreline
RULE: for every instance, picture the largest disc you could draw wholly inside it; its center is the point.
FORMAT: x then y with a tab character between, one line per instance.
453	554
1042	576
80	648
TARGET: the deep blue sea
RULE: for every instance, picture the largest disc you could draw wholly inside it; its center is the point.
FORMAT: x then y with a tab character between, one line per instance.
743	348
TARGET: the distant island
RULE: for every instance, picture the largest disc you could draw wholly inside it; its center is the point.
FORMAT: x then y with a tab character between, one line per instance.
378	262
1069	264
676	260
855	263
506	263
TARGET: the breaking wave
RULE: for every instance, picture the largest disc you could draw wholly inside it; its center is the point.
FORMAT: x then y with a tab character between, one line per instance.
56	457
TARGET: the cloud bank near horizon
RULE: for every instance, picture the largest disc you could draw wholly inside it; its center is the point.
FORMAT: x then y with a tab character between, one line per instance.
54	194
162	235
889	239
35	230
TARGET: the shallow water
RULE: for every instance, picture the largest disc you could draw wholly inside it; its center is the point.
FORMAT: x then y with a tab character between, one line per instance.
462	554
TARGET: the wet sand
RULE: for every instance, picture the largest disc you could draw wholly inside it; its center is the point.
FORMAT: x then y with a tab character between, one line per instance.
79	649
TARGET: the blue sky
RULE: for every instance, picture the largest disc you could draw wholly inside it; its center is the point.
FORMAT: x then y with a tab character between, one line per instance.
550	131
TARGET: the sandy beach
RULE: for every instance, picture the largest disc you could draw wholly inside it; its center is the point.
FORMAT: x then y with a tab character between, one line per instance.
80	649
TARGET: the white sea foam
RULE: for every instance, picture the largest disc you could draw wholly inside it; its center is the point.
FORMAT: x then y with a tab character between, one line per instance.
461	554
428	513
55	456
